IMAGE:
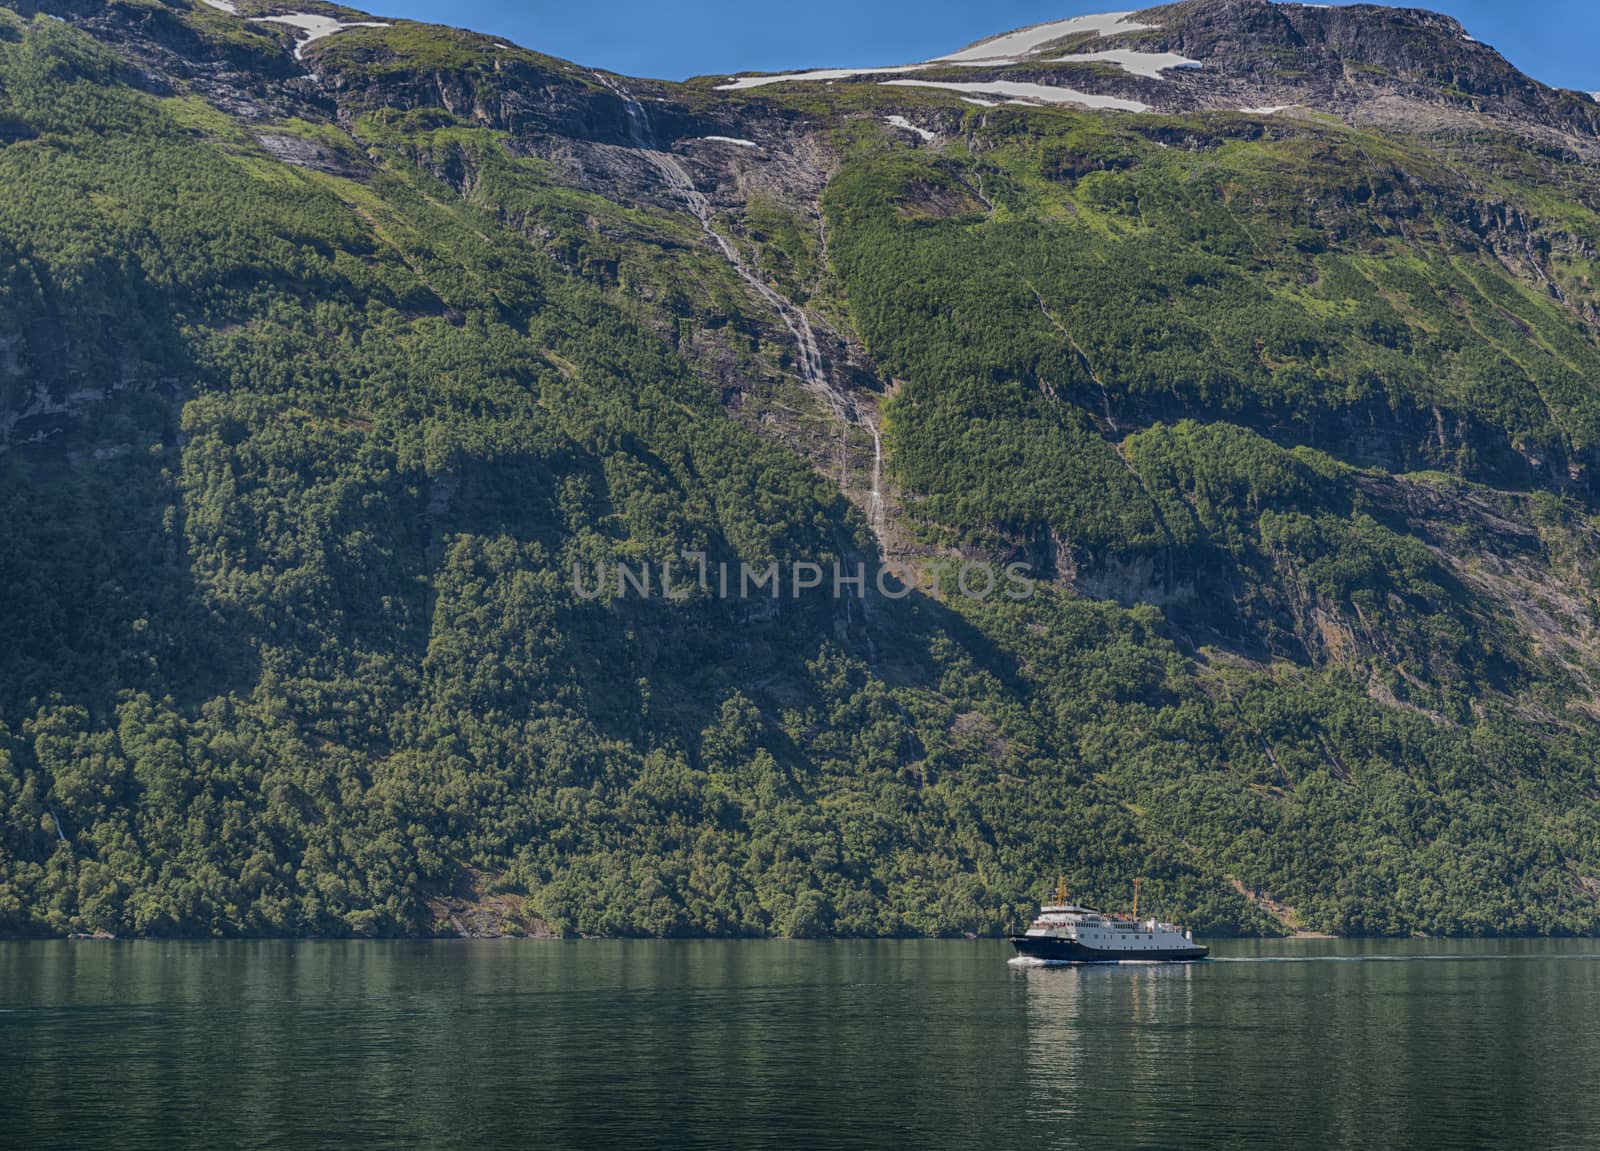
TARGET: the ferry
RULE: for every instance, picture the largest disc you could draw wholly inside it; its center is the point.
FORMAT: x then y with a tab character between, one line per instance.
1069	933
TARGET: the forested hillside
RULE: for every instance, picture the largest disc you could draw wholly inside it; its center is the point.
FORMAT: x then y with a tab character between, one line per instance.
327	359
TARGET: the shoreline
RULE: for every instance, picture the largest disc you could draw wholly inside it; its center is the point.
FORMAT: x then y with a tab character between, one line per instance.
1295	937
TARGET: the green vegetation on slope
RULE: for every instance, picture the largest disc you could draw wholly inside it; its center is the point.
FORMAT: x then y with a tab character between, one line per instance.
287	637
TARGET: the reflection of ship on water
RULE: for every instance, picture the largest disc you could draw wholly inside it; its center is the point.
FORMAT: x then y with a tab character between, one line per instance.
1069	933
1099	1033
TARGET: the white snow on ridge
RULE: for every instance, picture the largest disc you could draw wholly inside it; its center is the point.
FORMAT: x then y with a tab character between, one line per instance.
740	83
316	27
1000	52
1027	93
1025	40
907	125
1270	110
227	6
1149	64
731	140
1003	51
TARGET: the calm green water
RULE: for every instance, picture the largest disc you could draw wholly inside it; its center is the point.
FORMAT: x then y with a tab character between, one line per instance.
795	1045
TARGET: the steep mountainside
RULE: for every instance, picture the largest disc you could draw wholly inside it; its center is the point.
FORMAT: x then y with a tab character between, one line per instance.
338	354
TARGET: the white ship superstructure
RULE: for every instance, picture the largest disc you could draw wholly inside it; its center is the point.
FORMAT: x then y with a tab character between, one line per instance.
1071	933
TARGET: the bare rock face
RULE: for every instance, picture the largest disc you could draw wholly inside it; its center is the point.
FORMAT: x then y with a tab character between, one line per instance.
474	910
1341	58
305	153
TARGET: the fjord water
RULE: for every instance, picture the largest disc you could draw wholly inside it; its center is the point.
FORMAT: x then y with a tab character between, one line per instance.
1301	1044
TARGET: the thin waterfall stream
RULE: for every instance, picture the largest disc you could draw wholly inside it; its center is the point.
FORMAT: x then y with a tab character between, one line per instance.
846	408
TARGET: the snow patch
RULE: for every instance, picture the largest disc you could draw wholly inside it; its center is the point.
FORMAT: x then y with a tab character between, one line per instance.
743	83
902	122
1020	92
731	140
1026	40
227	6
1149	64
1269	110
315	26
980	103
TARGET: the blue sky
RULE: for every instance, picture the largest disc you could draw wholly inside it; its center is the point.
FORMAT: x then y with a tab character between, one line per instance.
1552	40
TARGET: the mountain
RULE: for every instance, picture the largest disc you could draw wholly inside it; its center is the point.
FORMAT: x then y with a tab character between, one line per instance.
340	355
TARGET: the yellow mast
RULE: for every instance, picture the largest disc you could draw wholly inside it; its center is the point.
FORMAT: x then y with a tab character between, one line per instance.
1061	890
1136	884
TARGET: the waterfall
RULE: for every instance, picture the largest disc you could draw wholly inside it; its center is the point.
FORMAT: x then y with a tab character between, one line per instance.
847	409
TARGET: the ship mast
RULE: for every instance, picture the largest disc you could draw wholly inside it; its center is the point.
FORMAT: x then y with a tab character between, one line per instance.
1136	884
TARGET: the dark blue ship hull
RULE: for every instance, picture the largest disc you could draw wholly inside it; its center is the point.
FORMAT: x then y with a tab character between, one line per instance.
1071	951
